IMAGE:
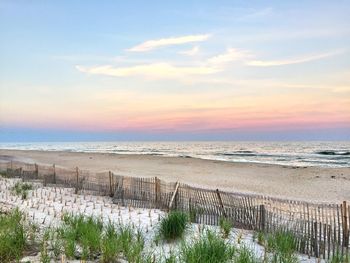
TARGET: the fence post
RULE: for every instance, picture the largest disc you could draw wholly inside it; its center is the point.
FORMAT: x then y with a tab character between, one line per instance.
44	180
262	217
173	196
315	240
54	174
345	226
191	212
157	191
36	170
221	203
77	182
113	183
122	190
110	184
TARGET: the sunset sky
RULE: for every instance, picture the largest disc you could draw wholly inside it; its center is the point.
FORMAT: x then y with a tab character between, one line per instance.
174	70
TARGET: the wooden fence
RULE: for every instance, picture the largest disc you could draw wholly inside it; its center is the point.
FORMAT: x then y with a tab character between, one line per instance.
321	229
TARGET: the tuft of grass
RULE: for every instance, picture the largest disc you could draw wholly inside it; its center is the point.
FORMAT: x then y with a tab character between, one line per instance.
210	248
12	236
83	231
21	189
110	244
173	225
86	238
125	237
56	244
4	174
245	255
69	242
132	243
282	245
171	258
338	257
261	238
225	227
44	254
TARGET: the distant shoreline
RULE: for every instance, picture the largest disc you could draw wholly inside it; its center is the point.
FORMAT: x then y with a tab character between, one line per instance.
123	155
291	154
310	183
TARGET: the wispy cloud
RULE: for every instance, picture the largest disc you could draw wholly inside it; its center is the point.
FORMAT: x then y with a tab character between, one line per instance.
191	52
153	44
154	70
187	71
232	54
270	63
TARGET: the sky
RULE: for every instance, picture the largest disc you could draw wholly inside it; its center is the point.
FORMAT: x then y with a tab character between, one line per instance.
174	70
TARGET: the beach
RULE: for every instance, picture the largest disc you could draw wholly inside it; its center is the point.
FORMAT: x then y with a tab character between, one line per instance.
316	184
47	207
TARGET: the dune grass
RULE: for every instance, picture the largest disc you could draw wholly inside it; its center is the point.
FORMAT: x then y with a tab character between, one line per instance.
83	231
86	238
225	226
110	244
13	237
245	255
4	174
21	189
281	245
339	258
209	248
173	225
44	253
132	243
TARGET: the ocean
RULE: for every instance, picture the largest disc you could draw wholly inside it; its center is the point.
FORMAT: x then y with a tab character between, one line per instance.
325	154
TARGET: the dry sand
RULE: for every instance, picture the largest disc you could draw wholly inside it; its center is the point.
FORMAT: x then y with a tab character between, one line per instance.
306	183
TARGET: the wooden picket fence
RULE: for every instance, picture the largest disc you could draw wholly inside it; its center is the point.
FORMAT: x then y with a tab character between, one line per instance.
321	229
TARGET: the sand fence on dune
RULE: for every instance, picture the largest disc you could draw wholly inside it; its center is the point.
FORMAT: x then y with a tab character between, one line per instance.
321	229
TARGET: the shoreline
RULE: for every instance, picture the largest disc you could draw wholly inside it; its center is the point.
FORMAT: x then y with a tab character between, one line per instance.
315	184
161	156
293	166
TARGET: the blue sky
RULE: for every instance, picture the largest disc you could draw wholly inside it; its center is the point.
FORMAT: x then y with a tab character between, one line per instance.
174	70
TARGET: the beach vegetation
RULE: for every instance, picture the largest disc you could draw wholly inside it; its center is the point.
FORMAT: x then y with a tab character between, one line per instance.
13	238
173	225
110	244
171	258
225	226
132	243
83	231
4	174
44	250
86	238
259	237
281	245
339	257
21	189
56	244
209	248
246	255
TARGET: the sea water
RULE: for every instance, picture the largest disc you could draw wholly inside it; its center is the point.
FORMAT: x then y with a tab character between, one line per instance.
325	154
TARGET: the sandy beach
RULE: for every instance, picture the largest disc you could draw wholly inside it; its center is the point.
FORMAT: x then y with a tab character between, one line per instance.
307	183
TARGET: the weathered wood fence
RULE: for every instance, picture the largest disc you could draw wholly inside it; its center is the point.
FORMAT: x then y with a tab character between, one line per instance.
321	229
